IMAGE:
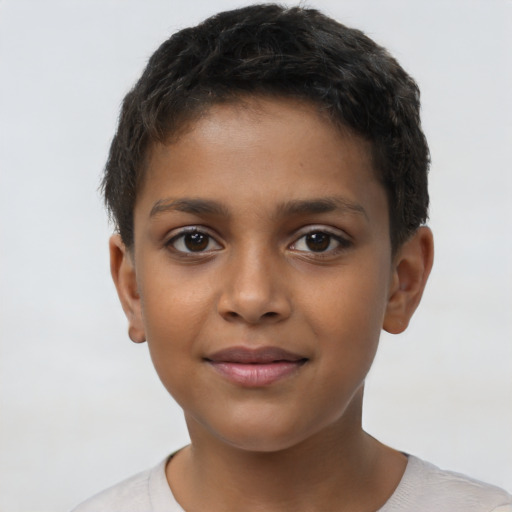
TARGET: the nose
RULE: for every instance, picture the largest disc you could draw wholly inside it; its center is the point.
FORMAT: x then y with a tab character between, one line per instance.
253	290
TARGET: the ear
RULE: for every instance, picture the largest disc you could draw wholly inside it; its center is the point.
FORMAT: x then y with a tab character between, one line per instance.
411	268
122	269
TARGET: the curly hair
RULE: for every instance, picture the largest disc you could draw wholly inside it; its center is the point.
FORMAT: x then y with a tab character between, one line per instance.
284	52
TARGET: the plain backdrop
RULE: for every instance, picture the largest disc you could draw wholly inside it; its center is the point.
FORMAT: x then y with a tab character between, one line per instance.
80	406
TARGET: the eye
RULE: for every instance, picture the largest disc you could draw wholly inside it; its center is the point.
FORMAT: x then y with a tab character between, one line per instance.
320	241
193	241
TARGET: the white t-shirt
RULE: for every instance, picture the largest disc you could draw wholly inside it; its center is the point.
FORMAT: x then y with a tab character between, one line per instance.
423	488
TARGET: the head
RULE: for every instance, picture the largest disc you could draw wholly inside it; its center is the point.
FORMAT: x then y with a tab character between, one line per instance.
268	180
273	51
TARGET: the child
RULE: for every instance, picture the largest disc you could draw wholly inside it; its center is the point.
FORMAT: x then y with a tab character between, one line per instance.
268	181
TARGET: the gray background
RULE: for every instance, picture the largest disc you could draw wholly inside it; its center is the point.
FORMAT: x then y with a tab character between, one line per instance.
80	405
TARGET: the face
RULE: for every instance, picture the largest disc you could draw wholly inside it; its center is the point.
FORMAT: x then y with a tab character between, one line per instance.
261	272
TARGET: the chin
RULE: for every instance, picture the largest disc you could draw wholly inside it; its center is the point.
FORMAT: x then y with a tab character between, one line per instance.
257	434
259	443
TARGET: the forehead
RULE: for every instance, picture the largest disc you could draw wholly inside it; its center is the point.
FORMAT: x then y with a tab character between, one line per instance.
261	151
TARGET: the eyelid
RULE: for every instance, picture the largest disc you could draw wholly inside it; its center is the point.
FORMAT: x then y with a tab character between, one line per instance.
344	239
323	228
177	233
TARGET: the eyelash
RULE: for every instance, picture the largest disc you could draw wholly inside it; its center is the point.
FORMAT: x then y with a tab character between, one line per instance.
343	243
191	231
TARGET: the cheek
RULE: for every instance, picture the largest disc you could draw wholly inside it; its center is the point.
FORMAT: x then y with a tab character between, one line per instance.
174	304
346	316
175	316
348	303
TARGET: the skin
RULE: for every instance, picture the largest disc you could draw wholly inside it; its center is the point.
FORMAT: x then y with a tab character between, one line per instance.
276	172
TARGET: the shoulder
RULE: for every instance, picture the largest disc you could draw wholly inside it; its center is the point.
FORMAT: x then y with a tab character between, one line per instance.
425	487
147	491
132	492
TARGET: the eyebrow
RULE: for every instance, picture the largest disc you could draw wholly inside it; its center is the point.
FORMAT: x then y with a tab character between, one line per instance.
295	207
321	205
188	205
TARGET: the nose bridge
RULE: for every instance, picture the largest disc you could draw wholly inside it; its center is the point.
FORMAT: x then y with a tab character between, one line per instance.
253	289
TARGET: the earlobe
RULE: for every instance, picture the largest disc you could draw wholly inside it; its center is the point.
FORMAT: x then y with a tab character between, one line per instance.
123	273
411	269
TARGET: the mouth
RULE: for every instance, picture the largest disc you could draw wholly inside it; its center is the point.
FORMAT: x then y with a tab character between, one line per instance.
258	367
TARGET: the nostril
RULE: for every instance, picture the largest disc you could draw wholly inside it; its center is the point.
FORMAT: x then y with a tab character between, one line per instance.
269	315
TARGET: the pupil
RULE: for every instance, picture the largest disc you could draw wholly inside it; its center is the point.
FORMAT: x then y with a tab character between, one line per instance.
196	241
318	241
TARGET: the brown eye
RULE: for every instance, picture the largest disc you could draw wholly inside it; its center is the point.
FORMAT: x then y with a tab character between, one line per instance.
318	241
193	241
321	242
196	241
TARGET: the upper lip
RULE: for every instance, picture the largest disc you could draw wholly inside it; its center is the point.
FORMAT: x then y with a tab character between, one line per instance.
261	355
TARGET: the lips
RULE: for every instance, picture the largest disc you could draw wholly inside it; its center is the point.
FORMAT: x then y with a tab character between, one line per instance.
255	367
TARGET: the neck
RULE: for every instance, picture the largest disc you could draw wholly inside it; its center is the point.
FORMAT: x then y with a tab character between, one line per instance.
340	468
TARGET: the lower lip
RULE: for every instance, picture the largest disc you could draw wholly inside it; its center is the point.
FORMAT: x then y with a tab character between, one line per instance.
256	375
